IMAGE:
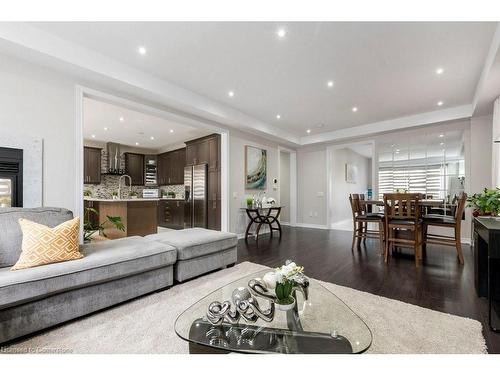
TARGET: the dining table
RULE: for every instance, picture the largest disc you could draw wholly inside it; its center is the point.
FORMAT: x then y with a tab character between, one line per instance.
422	202
426	204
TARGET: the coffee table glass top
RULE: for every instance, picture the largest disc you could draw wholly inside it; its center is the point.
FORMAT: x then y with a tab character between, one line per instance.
322	323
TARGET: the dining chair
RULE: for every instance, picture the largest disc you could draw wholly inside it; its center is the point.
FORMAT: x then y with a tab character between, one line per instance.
402	212
360	219
447	221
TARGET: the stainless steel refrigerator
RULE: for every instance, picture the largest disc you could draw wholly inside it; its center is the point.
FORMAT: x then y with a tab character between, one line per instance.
195	190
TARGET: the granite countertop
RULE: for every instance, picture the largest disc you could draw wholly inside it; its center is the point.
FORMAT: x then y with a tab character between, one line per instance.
130	199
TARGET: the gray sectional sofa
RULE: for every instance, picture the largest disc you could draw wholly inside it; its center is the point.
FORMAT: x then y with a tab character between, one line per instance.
110	272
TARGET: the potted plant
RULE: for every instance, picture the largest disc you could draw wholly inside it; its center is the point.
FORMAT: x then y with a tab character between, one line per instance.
89	228
282	280
134	194
486	203
249	202
114	194
87	193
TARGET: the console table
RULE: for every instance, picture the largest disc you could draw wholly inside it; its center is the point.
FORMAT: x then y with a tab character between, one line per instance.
487	265
263	216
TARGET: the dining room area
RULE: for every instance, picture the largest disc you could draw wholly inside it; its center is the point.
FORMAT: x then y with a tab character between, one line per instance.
417	198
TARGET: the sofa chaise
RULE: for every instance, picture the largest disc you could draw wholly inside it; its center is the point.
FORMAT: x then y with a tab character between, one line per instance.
110	272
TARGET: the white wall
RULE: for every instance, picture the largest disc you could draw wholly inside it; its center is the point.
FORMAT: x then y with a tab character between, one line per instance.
237	192
284	182
311	186
481	150
495	135
341	209
40	103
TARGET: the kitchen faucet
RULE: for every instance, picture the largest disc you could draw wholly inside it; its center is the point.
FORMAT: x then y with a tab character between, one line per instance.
120	185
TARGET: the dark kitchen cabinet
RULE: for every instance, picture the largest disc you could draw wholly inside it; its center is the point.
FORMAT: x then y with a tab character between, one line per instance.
214	153
171	167
91	165
134	167
214	200
163	164
198	151
171	213
206	150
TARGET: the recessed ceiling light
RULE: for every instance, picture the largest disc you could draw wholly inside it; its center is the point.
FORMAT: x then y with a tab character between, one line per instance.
142	50
278	116
440	103
441	135
230	94
308	131
93	135
121	119
171	130
439	71
441	144
137	143
330	84
397	150
105	128
152	138
281	32
355	109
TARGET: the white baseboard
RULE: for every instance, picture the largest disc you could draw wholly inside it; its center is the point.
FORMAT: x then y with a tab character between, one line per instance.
313	226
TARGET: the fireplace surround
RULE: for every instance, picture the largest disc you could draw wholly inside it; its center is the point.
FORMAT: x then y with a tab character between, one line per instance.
11	177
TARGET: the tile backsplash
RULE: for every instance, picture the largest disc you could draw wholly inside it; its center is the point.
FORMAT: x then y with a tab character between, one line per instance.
109	184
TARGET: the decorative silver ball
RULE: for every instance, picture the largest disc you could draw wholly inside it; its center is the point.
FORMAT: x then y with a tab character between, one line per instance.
240	294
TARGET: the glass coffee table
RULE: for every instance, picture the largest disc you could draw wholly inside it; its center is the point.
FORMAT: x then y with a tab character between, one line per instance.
322	323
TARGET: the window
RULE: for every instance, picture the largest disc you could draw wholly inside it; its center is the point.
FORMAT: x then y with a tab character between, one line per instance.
431	164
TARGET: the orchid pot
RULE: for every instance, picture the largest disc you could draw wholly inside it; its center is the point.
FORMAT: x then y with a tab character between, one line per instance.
284	300
282	280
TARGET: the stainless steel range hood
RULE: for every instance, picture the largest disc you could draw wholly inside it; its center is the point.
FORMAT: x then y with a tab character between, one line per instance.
114	155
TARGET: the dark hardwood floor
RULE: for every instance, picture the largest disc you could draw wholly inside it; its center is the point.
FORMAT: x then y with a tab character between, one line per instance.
441	283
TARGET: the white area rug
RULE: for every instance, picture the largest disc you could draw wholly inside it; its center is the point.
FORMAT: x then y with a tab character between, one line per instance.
146	325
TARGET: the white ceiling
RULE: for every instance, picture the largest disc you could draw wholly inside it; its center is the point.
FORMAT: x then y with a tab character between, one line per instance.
387	70
136	127
446	144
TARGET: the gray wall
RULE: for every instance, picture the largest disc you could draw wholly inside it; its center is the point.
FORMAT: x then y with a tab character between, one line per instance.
237	192
341	209
311	186
37	102
284	182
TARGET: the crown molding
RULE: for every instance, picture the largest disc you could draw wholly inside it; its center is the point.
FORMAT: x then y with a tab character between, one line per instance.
405	122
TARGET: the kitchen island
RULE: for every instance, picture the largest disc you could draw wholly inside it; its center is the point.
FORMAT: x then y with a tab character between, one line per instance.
139	216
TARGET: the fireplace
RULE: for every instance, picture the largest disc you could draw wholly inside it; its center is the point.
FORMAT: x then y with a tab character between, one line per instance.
11	177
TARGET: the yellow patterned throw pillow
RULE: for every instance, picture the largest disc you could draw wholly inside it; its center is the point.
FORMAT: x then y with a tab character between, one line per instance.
44	245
